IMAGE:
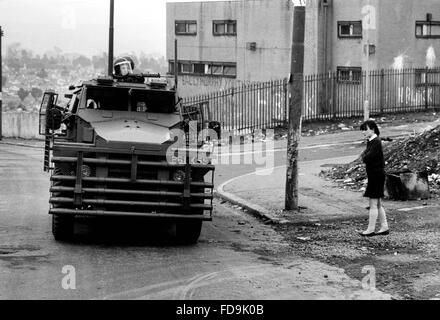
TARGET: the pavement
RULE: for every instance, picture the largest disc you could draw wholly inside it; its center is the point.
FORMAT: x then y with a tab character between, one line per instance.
262	193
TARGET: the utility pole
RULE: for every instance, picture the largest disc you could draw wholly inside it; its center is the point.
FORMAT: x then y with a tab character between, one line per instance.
295	105
366	26
176	66
110	38
367	80
1	84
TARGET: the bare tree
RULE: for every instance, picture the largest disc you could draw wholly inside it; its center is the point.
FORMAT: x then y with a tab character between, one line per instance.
36	93
22	94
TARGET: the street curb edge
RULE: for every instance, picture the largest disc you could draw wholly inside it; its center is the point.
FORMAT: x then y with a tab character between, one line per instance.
252	208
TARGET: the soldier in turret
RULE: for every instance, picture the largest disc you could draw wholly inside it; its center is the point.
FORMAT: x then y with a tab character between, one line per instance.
123	71
123	66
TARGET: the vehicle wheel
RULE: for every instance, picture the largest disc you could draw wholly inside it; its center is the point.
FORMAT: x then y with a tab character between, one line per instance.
62	227
188	232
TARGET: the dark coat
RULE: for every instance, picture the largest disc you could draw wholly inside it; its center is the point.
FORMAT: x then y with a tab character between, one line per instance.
375	167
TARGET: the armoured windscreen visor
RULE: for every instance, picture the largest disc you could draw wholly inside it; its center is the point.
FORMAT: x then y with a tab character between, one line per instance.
121	99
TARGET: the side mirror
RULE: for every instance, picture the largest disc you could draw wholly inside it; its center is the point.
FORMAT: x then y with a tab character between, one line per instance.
48	103
54	119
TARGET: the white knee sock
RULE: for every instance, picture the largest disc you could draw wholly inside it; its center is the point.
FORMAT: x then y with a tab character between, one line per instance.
372	220
383	220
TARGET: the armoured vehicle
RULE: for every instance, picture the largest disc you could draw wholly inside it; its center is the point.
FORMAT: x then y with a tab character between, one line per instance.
107	153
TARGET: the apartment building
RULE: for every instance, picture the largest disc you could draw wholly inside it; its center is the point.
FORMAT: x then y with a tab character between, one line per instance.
399	33
225	43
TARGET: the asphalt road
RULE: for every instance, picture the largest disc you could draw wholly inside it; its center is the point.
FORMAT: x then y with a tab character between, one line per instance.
306	153
237	256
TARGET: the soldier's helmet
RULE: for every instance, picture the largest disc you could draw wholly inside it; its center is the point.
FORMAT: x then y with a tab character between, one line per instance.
123	66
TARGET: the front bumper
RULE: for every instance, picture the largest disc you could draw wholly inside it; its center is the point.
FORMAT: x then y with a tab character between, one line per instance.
128	183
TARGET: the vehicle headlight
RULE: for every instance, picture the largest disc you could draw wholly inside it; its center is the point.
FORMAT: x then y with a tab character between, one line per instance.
179	175
86	171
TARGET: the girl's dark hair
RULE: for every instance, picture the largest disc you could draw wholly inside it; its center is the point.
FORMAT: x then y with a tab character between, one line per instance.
370	124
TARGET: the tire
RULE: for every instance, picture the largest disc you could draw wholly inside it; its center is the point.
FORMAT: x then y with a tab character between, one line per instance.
188	232
62	226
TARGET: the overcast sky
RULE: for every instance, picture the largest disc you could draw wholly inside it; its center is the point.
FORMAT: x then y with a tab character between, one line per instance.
82	25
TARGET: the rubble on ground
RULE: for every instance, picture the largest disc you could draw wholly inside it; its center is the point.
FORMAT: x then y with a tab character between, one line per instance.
419	153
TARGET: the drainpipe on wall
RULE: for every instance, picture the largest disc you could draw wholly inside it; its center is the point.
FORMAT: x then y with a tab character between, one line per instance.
366	49
325	83
325	6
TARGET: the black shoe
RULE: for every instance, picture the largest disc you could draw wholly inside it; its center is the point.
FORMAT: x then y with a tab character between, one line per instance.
383	233
372	234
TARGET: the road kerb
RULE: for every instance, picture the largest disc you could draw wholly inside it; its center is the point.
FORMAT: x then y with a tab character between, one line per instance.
252	208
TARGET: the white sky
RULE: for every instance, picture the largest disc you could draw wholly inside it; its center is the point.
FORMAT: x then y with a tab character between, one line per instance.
82	26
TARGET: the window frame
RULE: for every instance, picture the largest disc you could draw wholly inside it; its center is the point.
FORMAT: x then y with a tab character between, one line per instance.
200	64
423	23
352	80
171	66
216	65
354	36
207	64
225	24
186	63
230	66
187	23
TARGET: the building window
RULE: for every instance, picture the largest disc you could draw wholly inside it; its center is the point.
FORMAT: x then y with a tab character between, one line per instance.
350	29
215	69
428	29
171	67
224	27
349	74
230	70
202	68
186	27
199	68
186	67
